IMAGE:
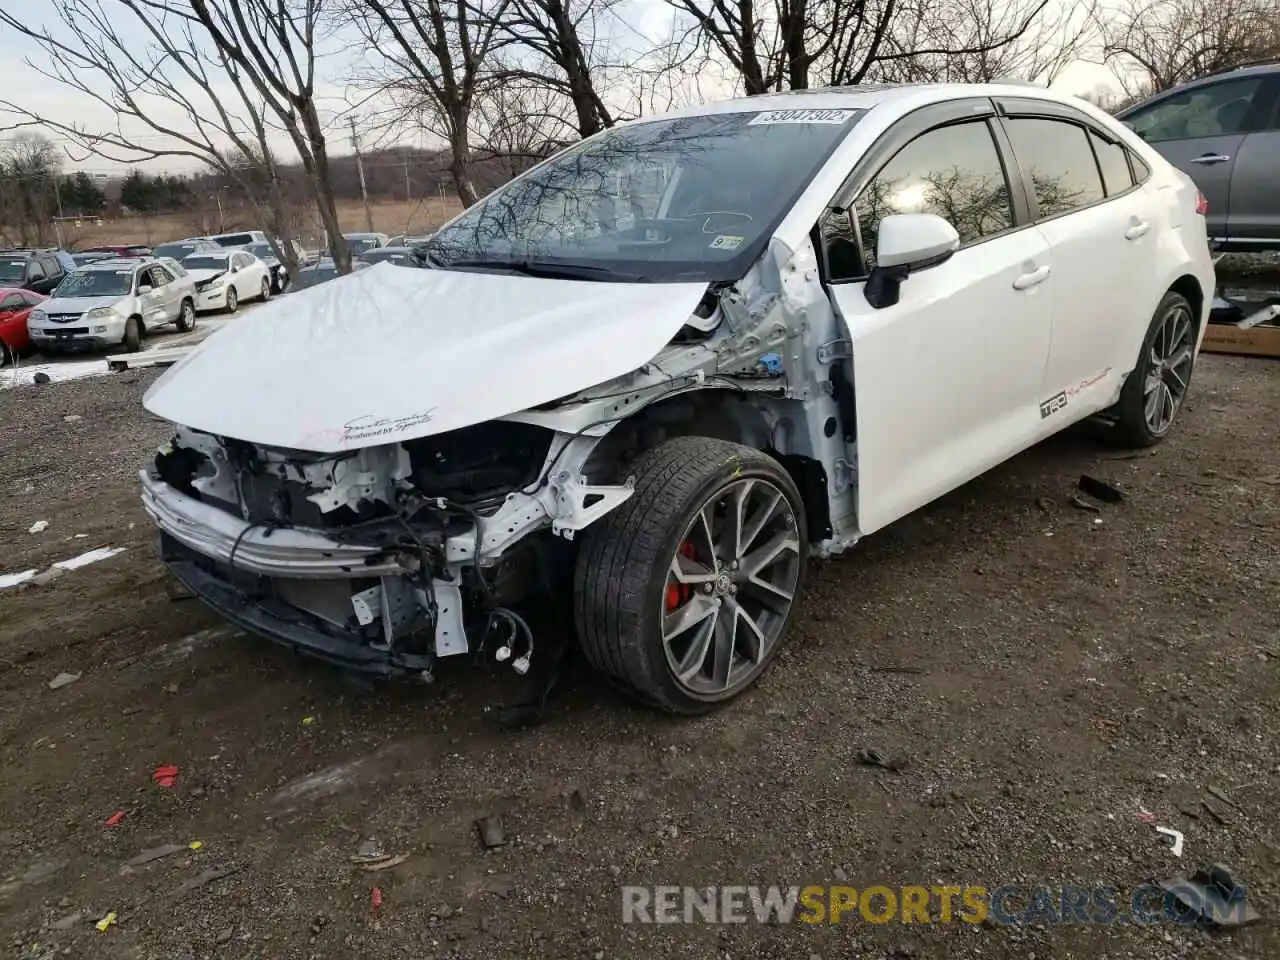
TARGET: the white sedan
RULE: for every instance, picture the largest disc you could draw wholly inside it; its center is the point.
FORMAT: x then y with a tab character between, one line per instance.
225	280
649	379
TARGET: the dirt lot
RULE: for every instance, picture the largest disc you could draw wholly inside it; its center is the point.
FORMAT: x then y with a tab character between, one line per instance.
1043	676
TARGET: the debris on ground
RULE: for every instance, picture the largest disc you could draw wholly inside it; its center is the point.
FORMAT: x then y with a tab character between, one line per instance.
1176	849
93	556
115	818
1100	489
41	377
381	863
155	853
308	721
40	526
45	577
1214	813
1213	895
1080	503
72	418
873	758
1146	816
62	680
107	921
491	832
165	776
195	844
204	879
1217	793
375	898
13	579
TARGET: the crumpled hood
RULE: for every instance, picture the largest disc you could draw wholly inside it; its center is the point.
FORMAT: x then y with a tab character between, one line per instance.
388	354
204	276
67	305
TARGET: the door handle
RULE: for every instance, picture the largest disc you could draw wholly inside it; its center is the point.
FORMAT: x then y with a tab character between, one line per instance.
1136	230
1210	158
1028	280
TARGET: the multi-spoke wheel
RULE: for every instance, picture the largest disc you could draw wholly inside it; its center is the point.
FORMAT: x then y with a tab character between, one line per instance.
685	591
1155	391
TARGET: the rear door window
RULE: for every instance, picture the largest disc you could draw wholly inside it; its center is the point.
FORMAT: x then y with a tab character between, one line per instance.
1056	157
1216	109
1113	159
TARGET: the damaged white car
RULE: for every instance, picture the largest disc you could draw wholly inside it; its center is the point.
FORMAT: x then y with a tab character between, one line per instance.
656	374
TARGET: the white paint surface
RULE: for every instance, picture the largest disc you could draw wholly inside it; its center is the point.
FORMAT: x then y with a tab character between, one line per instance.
388	354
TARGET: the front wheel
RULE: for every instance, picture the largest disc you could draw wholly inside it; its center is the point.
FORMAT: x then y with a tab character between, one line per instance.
1157	387
7	355
685	591
266	289
233	300
186	317
132	335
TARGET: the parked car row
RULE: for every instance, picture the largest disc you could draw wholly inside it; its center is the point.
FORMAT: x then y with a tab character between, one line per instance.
115	295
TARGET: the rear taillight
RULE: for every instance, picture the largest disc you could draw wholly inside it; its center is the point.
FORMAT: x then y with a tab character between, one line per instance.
1202	203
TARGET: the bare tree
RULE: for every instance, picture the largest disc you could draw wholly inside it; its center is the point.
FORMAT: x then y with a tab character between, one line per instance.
173	74
274	46
29	168
786	44
985	41
1161	43
562	45
432	58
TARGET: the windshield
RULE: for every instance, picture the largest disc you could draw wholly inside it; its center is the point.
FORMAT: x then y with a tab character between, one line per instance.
394	254
205	263
358	245
690	198
234	239
96	283
12	269
261	250
175	250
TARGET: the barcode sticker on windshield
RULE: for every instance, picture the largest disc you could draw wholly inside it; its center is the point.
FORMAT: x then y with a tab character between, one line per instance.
802	116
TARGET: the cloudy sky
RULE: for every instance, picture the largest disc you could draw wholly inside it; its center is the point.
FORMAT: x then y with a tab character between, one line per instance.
339	98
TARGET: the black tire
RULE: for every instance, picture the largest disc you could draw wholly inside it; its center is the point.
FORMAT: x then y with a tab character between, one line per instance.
132	335
1133	428
186	317
233	299
621	577
6	354
266	289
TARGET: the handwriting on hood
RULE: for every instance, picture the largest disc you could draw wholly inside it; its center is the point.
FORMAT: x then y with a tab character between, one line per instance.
372	425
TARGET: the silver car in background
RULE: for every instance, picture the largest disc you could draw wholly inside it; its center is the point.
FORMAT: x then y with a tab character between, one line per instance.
1223	130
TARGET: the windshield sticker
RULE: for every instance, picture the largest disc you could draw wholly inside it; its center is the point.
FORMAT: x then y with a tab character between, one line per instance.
726	242
802	116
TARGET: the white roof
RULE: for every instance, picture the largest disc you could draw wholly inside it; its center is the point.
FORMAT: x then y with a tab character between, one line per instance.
866	96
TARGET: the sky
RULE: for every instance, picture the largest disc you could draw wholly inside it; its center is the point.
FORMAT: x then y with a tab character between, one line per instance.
338	99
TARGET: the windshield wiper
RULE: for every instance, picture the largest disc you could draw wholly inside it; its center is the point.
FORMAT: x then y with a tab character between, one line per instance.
571	271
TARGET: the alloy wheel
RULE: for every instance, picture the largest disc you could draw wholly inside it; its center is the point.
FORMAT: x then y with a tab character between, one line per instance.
730	586
1169	369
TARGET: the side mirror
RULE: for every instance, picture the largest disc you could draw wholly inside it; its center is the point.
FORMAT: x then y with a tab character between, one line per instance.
907	243
144	289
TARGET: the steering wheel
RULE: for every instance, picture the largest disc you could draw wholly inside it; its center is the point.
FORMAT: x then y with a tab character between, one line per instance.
708	214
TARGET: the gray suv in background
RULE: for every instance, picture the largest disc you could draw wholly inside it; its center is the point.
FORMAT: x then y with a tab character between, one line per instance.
1224	131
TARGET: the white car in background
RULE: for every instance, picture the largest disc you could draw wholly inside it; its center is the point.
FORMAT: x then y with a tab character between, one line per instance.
110	302
225	280
648	379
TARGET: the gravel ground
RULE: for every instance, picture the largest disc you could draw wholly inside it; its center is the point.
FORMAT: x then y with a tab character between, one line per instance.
1042	673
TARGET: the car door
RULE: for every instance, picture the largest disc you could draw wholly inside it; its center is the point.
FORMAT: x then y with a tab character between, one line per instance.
37	279
53	270
1201	129
153	301
171	292
1253	216
948	379
1101	228
13	321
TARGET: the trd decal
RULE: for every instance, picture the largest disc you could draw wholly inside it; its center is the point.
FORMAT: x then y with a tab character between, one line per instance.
1053	405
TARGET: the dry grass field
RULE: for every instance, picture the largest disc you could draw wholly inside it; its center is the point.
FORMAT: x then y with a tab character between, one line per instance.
389	216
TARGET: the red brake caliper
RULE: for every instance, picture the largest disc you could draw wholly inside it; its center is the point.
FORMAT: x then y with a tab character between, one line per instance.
678	594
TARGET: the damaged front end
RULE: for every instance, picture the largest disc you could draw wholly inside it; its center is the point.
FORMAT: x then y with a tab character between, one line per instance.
380	559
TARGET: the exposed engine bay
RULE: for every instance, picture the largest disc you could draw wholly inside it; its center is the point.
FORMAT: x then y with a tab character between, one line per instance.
387	557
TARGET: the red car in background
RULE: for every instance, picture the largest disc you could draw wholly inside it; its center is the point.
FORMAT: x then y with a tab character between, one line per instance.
15	306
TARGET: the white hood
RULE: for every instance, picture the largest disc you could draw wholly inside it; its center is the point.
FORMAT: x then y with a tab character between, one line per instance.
390	353
61	306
